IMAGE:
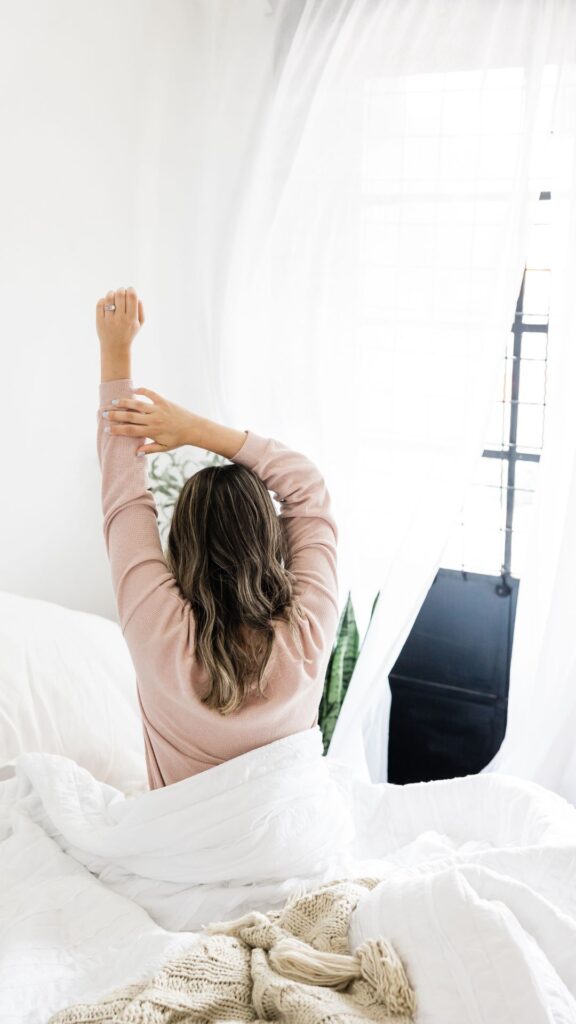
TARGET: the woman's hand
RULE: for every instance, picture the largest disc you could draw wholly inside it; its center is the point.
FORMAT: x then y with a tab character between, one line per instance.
168	424
118	328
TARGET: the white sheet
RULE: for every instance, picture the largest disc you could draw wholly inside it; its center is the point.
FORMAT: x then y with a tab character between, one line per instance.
478	895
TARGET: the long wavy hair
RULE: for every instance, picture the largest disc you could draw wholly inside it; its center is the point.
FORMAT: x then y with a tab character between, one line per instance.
228	552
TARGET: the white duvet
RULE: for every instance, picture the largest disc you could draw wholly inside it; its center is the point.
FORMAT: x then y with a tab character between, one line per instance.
478	890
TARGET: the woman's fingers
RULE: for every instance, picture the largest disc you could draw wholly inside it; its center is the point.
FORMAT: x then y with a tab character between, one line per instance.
131	417
120	300
129	403
125	416
150	394
147	449
110	299
127	429
127	410
141	316
131	303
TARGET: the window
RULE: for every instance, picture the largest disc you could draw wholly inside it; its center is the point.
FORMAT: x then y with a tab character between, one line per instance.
493	530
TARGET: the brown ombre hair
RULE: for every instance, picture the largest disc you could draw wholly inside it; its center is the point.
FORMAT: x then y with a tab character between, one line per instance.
228	553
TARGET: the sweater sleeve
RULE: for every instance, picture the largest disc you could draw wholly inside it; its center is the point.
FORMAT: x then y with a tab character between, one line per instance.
155	618
312	533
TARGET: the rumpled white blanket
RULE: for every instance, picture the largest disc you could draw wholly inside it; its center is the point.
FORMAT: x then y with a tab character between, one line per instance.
478	893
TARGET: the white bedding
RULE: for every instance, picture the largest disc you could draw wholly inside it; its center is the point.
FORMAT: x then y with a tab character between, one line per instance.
478	892
67	686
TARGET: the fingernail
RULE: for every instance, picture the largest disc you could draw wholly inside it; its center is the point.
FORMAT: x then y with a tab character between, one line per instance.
106	430
140	453
106	413
115	401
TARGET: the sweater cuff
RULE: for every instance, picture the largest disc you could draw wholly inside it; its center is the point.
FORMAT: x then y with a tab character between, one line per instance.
251	450
121	388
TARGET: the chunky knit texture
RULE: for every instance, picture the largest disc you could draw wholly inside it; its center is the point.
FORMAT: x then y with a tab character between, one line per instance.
182	735
291	965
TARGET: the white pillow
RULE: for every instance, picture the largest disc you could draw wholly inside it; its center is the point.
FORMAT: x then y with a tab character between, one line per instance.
68	686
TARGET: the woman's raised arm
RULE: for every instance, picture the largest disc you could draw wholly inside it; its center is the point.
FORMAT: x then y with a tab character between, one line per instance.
155	618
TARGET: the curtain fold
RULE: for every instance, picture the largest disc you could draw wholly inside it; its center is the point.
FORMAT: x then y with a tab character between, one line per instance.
540	736
366	293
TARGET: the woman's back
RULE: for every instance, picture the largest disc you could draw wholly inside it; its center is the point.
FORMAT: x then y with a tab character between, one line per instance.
184	736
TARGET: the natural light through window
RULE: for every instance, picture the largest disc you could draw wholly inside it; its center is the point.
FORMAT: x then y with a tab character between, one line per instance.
492	533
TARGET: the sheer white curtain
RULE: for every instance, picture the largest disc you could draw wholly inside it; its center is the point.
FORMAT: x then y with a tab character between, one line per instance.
365	297
541	729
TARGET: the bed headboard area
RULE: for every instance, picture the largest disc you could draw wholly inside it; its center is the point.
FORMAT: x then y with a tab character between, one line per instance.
67	687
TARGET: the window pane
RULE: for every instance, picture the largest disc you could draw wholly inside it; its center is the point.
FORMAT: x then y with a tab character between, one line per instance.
492	472
499	426
484	550
530	426
478	542
534	345
506	392
526	478
536	292
532	380
475	550
538	252
485	507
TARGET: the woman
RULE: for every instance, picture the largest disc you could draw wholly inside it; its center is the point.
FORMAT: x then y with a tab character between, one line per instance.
230	632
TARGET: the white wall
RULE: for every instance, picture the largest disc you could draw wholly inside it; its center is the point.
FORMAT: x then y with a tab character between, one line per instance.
105	121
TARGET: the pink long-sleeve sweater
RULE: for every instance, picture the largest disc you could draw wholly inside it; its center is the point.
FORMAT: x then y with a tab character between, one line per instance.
182	735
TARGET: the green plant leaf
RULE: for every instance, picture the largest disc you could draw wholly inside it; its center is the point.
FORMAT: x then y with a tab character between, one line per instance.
339	671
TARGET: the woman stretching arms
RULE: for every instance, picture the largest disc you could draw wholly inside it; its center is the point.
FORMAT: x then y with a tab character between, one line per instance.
231	631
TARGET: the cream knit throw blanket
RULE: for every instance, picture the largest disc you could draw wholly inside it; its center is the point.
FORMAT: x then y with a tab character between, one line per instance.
290	965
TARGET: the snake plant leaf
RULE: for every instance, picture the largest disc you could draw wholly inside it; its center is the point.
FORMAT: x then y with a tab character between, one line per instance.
340	668
339	671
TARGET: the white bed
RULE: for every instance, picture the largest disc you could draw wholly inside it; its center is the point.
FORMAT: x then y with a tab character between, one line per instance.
97	888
